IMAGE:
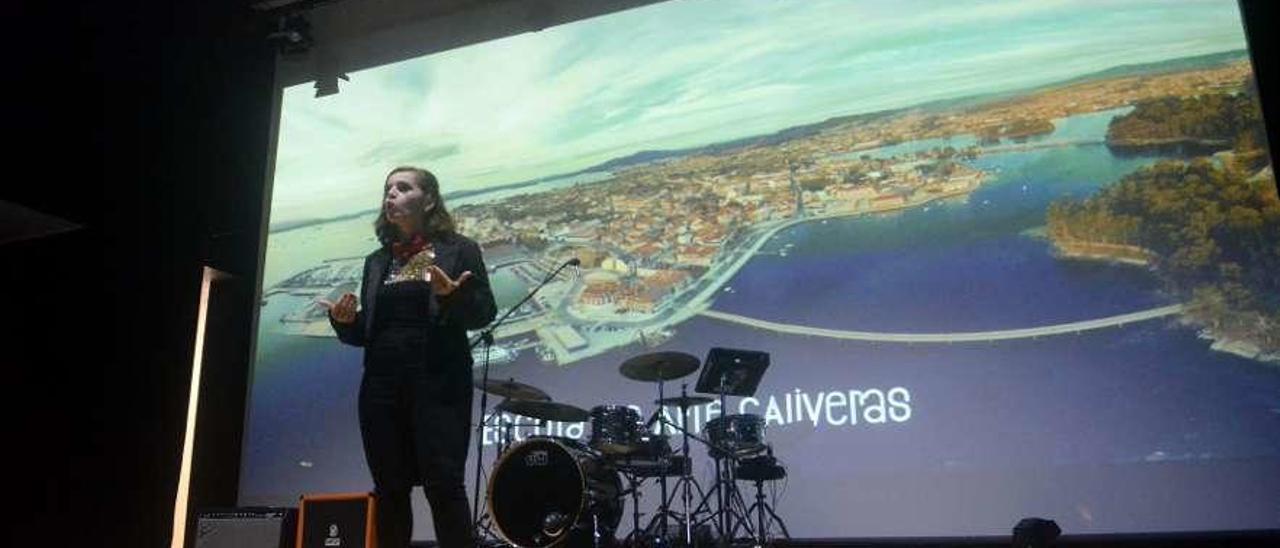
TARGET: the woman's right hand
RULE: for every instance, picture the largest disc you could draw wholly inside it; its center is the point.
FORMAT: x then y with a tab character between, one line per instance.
343	311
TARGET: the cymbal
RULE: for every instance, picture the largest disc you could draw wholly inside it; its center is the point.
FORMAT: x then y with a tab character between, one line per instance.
659	366
545	410
684	401
513	390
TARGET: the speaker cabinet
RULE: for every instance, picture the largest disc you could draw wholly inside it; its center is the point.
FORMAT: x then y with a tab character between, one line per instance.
246	528
340	520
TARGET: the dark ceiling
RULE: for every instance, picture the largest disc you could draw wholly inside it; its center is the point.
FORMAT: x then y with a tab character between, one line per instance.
350	35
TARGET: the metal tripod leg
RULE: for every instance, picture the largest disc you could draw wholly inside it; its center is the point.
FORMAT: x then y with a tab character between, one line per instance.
683	488
737	514
763	525
633	538
714	494
504	431
731	514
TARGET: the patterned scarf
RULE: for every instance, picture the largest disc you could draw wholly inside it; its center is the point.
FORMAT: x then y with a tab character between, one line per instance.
402	251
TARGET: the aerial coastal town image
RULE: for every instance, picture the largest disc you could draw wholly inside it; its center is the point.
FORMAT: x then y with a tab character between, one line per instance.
660	235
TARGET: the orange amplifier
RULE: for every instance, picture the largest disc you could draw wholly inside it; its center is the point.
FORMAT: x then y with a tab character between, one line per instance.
337	520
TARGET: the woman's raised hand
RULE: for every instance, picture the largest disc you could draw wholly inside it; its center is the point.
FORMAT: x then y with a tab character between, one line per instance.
344	311
441	283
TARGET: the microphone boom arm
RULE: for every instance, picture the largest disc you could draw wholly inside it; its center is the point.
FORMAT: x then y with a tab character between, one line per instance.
487	337
487	334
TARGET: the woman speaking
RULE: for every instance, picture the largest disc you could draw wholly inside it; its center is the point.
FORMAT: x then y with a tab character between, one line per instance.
422	290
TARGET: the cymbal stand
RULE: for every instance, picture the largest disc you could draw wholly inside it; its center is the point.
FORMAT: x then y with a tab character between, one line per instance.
731	509
483	532
662	479
731	485
633	489
687	482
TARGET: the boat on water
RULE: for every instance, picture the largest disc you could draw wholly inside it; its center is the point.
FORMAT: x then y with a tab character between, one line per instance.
653	337
546	354
498	354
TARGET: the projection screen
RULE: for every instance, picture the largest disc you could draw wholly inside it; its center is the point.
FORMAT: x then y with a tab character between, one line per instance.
1008	258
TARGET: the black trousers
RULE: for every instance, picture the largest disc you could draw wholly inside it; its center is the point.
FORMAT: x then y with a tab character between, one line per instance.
415	424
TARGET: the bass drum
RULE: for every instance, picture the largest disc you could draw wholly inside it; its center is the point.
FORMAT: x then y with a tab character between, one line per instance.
554	492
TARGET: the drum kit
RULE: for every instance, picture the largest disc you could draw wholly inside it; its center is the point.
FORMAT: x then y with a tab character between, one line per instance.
547	491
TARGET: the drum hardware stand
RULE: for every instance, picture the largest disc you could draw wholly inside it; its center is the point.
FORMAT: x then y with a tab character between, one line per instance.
598	539
484	532
761	534
727	495
633	489
735	372
662	478
663	509
731	513
771	472
486	337
686	481
660	367
685	487
480	522
726	517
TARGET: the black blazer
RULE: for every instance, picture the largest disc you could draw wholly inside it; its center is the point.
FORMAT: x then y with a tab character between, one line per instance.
471	306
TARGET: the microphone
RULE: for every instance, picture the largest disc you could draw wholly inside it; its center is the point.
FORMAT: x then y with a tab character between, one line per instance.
571	262
487	334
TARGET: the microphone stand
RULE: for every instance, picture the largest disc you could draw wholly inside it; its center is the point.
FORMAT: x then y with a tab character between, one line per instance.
486	337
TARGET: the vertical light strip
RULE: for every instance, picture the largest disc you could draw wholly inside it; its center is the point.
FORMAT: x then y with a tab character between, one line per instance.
193	402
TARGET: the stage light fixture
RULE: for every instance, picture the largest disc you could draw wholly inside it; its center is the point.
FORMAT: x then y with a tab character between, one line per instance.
292	35
1035	533
328	84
